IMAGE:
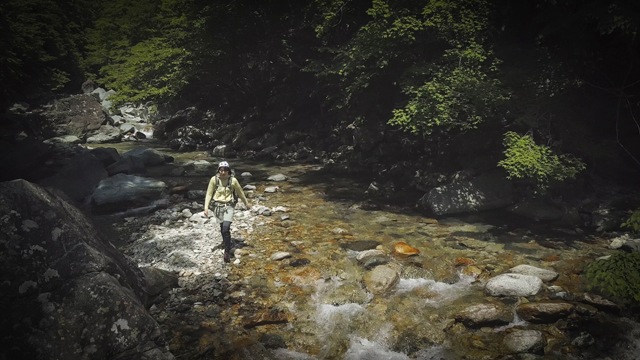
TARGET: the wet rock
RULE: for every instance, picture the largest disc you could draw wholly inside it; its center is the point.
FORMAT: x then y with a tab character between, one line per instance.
277	177
544	274
372	262
360	245
149	156
363	256
299	262
122	191
403	248
268	317
601	303
544	312
381	279
513	285
525	341
280	255
272	341
479	315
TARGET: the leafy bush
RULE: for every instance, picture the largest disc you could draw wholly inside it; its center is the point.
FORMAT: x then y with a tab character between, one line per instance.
538	164
617	277
633	222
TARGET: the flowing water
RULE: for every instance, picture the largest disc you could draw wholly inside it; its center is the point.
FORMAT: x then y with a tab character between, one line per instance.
316	300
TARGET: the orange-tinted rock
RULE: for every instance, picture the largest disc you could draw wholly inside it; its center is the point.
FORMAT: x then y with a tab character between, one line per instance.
403	248
463	261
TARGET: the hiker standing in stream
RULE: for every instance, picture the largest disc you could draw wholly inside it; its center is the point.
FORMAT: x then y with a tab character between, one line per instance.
224	189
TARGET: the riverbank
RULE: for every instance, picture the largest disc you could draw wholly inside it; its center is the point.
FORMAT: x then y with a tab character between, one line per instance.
296	287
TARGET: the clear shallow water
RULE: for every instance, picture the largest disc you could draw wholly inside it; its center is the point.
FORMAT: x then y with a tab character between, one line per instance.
331	314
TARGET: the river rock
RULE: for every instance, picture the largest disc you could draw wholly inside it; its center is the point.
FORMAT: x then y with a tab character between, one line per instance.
403	248
544	312
626	243
544	274
480	315
521	341
149	156
360	245
381	279
75	115
490	191
513	285
78	178
121	191
277	177
363	256
104	134
280	255
200	167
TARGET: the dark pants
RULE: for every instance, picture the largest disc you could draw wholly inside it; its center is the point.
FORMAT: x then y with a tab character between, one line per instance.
225	230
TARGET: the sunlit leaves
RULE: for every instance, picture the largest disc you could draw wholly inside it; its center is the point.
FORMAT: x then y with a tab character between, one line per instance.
537	164
442	71
142	50
152	70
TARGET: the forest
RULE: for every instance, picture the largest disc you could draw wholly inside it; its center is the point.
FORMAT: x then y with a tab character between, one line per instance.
547	90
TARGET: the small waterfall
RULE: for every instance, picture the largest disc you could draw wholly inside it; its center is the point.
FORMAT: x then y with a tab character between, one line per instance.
363	349
442	293
361	330
517	321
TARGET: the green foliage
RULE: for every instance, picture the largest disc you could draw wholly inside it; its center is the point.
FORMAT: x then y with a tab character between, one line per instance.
41	43
538	164
617	277
141	49
151	71
633	222
432	59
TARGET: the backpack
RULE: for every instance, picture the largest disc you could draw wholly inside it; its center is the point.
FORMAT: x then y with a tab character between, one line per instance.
233	190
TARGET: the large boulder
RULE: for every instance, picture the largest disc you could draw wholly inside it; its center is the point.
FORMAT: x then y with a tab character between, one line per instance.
76	115
123	191
486	192
79	177
66	292
148	156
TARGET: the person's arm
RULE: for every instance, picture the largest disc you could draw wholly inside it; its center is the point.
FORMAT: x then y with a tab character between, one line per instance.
210	191
238	189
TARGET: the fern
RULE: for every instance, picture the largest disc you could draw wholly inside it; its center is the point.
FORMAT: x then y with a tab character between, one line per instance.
617	277
633	222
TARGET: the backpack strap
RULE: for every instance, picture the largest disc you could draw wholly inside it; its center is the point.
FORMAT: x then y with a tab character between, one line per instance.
229	186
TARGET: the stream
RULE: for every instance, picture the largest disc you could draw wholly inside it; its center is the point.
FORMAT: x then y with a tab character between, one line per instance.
313	303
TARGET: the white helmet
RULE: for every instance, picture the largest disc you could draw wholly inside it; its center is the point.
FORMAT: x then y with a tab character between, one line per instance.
224	164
